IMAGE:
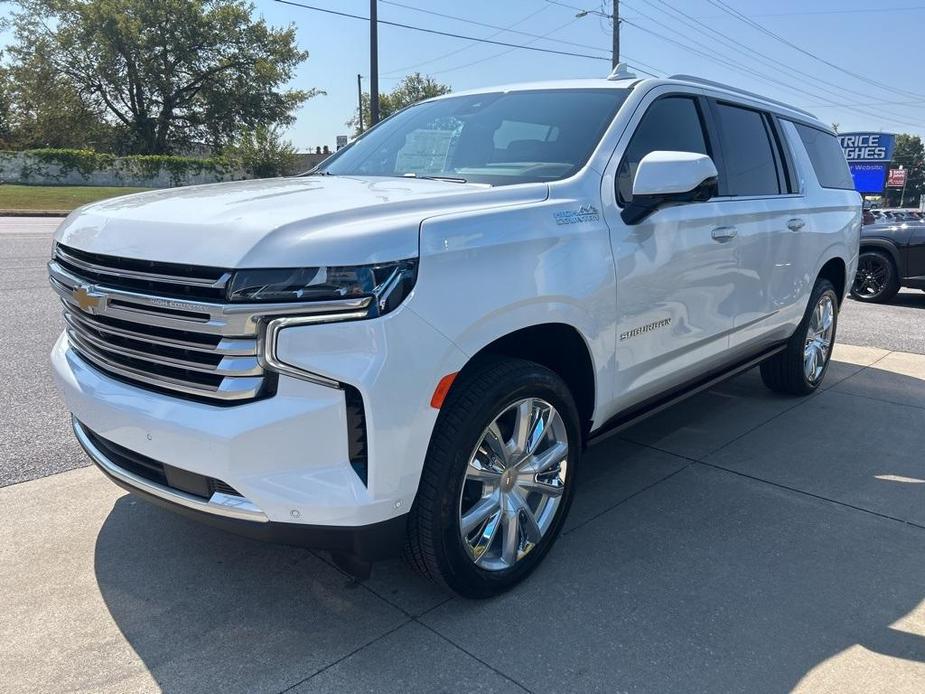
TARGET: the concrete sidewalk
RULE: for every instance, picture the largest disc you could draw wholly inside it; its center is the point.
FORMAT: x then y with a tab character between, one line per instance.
741	541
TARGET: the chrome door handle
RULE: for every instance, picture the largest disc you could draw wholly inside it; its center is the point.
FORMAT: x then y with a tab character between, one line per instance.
723	234
795	224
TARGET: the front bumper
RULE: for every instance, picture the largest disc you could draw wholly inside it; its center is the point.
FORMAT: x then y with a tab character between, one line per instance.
241	517
287	455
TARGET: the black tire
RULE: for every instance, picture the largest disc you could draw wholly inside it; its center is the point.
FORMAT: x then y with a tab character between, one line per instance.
785	372
483	390
877	280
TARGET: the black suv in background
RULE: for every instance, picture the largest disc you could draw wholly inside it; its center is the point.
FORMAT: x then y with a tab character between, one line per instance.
892	256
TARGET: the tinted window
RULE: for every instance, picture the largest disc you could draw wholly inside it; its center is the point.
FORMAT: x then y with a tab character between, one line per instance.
748	152
828	158
496	138
670	124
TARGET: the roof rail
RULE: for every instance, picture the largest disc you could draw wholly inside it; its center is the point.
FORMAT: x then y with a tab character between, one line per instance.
737	90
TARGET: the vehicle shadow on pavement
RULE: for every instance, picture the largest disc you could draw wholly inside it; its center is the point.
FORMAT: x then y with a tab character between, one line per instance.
912	299
765	543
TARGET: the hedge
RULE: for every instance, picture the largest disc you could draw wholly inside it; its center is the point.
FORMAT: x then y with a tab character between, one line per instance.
52	164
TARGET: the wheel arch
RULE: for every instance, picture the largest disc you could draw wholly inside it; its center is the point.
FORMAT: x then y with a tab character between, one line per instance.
559	347
835	271
875	244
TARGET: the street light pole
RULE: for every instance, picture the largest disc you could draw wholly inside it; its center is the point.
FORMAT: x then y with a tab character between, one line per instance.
614	17
373	63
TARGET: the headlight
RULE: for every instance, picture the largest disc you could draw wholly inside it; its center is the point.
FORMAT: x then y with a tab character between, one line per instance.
387	283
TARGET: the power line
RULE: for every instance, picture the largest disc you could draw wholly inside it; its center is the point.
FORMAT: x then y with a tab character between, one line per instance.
635	65
758	56
738	46
752	73
738	15
729	62
495	55
566	5
509	29
466	47
794	13
914	103
857	10
443	33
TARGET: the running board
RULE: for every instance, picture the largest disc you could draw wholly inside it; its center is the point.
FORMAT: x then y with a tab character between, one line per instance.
663	401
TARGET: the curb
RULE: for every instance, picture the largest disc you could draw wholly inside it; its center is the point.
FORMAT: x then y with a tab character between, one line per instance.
34	213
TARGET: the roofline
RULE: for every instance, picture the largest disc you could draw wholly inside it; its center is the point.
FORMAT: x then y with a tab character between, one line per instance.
630	84
743	92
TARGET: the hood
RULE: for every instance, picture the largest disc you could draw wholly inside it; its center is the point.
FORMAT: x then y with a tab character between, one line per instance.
280	222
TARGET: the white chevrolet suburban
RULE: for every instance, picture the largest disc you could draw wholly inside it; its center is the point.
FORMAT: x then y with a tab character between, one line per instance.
410	346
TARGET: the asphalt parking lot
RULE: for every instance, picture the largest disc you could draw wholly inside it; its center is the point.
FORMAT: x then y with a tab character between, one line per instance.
740	541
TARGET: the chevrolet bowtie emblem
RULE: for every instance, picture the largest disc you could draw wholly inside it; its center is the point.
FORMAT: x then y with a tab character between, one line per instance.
88	300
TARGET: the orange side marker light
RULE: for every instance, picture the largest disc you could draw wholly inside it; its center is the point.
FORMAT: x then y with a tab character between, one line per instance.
442	389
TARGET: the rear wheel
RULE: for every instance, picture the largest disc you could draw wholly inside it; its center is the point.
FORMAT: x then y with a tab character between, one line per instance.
498	479
800	368
876	280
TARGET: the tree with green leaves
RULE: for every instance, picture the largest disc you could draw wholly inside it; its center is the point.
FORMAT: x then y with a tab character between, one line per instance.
263	152
413	88
908	151
40	109
165	73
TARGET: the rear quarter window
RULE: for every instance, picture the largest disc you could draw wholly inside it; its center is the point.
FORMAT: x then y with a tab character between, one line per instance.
827	157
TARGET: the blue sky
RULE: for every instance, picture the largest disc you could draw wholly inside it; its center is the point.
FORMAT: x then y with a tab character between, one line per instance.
873	46
876	40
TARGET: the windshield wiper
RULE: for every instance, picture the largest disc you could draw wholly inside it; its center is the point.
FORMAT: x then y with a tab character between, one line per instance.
451	179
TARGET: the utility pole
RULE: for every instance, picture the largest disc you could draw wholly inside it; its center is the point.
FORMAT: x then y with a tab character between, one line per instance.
615	18
373	62
360	98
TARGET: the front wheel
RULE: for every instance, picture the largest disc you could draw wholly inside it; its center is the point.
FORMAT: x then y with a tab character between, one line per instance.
498	479
800	368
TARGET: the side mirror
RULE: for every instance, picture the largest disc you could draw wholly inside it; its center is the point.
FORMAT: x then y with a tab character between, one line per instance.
670	177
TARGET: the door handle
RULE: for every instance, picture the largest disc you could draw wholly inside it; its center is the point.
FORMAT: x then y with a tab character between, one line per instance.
723	234
795	224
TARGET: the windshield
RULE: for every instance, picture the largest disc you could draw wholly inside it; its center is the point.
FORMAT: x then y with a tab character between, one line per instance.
498	138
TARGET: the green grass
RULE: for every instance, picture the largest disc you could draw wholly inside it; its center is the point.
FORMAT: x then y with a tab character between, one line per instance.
65	198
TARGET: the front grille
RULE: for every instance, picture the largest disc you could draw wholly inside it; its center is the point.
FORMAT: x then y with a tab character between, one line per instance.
161	326
160	473
149	277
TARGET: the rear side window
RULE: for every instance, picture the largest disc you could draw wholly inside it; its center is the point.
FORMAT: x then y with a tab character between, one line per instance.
671	123
748	152
827	157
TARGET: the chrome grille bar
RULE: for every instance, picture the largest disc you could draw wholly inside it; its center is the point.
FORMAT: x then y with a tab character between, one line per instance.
166	340
226	346
229	389
228	366
233	320
62	253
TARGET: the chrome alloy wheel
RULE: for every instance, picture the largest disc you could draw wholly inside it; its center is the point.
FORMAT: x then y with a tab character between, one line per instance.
818	344
513	484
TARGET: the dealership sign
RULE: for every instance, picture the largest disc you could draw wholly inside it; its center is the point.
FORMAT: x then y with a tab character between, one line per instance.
897	178
867	146
868	156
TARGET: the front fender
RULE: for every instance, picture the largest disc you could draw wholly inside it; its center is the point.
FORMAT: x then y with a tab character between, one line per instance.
482	277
